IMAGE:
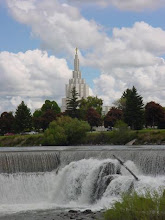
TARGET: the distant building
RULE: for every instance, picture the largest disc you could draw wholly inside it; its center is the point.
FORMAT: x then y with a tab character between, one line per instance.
105	109
81	87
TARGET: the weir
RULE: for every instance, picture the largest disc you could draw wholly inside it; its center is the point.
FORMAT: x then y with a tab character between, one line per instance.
87	177
14	162
150	160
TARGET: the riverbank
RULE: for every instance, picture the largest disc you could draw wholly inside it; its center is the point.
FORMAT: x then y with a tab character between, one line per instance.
54	215
142	137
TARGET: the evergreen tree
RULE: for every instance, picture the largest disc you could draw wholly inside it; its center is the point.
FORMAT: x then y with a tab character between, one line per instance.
23	118
72	104
133	112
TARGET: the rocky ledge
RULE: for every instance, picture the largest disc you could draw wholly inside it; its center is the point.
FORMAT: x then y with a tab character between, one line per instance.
55	215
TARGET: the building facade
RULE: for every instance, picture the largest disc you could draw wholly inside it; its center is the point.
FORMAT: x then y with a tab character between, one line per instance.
81	87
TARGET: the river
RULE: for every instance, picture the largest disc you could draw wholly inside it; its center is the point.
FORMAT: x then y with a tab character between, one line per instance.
34	179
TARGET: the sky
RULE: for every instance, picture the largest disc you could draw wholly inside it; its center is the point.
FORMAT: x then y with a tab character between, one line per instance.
121	44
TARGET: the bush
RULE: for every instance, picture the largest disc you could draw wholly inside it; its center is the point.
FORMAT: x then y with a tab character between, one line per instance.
138	207
65	131
121	133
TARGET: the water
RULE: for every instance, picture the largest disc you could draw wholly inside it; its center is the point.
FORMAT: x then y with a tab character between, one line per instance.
75	178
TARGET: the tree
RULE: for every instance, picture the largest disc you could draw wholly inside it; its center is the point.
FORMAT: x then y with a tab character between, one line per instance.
154	114
93	117
7	122
50	105
47	117
65	131
120	103
90	102
112	116
23	118
133	112
48	112
73	103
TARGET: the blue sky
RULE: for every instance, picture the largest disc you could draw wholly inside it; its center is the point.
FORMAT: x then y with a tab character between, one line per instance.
121	45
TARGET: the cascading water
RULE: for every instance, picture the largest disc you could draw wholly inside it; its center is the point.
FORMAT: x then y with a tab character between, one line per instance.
28	162
71	182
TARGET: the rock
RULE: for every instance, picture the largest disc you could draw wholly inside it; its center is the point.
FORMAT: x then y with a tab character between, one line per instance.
88	211
73	211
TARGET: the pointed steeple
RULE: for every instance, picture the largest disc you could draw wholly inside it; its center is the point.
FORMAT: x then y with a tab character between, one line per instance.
76	61
81	87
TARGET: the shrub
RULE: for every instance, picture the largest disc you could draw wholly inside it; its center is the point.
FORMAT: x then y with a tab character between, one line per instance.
121	134
138	207
65	131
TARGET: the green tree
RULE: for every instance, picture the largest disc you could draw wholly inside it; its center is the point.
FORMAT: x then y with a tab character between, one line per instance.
50	105
133	112
90	102
7	122
65	131
23	118
37	113
73	104
48	112
120	103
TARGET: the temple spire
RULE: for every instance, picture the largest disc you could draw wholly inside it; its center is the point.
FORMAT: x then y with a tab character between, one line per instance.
76	81
76	61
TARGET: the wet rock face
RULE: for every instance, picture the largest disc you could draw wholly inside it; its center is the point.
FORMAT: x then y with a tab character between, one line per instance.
106	174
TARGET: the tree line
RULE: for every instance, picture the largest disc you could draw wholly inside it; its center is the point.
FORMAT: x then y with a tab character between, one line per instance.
129	108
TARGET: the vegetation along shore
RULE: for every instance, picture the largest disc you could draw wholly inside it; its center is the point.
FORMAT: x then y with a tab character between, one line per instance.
128	119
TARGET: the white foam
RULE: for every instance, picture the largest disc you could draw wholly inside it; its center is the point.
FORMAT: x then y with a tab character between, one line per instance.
73	187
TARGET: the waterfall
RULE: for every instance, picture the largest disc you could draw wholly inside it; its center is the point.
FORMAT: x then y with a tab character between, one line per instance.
73	178
14	162
148	161
88	183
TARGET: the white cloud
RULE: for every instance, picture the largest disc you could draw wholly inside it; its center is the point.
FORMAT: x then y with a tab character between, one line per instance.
59	26
129	5
130	57
32	76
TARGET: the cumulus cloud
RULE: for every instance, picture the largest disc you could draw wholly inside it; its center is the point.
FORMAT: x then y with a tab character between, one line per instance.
129	5
32	76
59	26
148	80
135	60
131	56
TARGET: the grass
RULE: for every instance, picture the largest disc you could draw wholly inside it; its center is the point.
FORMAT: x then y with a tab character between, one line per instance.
138	207
151	136
21	140
151	130
145	136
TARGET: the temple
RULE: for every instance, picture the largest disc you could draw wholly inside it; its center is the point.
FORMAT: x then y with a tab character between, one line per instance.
81	87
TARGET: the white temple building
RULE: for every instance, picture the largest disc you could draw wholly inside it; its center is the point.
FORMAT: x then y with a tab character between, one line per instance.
81	87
